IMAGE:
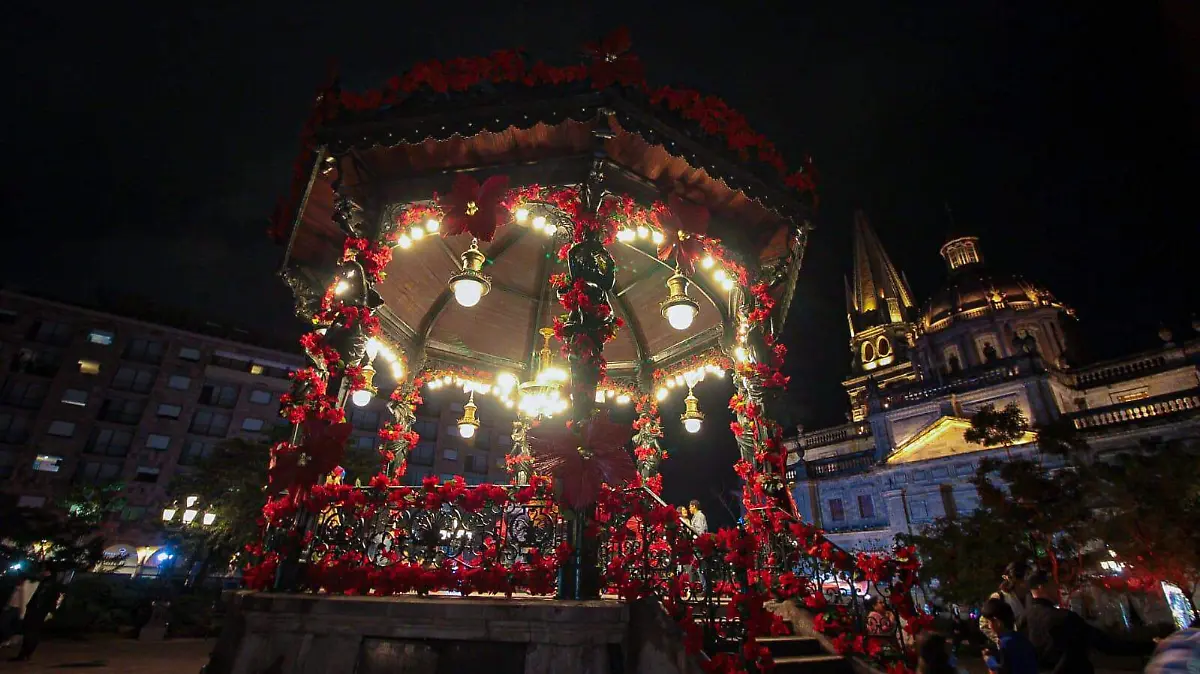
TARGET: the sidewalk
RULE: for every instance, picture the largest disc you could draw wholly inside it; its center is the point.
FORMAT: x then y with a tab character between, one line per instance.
112	656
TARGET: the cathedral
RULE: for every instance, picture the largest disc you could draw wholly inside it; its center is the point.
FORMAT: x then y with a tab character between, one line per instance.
920	371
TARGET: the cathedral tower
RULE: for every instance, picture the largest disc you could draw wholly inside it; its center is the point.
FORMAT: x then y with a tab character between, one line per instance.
881	316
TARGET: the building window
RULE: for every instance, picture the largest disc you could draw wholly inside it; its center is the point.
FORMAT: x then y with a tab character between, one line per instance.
919	510
220	395
133	513
13	429
422	454
366	420
836	512
866	506
883	347
477	463
208	422
156	441
252	424
144	350
62	429
868	352
426	428
483	439
97	472
110	442
133	379
41	362
255	368
196	451
260	397
188	353
363	442
101	337
31	501
168	411
89	367
179	382
50	332
450	454
47	463
27	394
147	474
74	396
122	411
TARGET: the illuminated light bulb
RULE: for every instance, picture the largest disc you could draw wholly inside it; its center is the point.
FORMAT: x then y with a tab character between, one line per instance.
679	380
404	241
506	380
680	316
539	222
432	225
416	233
643	231
397	370
468	423
361	397
657	238
470	284
707	262
622	399
727	284
626	235
521	214
692	417
661	393
373	346
599	396
720	275
739	353
679	309
610	393
447	380
670	383
341	287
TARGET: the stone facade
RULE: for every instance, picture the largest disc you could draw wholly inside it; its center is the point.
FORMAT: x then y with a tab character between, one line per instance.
985	339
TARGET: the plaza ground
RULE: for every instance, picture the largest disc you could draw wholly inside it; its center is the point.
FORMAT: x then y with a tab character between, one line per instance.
112	655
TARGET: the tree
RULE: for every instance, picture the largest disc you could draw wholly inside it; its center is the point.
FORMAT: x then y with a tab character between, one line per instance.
997	428
1148	506
967	555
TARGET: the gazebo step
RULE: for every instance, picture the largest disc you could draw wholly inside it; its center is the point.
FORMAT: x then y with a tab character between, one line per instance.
792	646
811	664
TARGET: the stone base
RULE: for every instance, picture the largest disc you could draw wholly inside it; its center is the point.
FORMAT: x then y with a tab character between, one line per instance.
302	634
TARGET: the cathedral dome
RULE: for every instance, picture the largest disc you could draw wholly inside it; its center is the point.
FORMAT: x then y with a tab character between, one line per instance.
972	290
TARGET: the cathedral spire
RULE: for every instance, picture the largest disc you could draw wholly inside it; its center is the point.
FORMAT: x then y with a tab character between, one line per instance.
879	294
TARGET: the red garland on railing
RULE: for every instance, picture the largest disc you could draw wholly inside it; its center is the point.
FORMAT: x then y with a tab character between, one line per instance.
713	115
647	429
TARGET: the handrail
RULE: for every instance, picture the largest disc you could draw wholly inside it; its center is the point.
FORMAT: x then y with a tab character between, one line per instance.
1136	410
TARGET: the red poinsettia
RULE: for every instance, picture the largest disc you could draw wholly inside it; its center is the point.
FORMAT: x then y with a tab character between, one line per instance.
684	229
612	63
581	461
474	208
300	467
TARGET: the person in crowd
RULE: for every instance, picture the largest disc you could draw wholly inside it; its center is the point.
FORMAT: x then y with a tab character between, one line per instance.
684	517
1013	654
1015	592
43	601
879	620
699	522
1060	637
1178	653
933	655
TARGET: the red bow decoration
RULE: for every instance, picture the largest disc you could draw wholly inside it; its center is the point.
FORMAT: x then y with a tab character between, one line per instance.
581	462
299	468
612	63
474	208
684	231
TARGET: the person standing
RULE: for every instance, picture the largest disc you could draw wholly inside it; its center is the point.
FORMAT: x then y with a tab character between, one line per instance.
1014	654
1060	637
699	521
1015	593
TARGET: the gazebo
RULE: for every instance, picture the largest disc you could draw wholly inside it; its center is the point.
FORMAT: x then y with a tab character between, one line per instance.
562	239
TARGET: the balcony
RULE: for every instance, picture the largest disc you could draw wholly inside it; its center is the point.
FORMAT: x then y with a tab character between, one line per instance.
1101	374
832	436
998	371
1157	408
851	464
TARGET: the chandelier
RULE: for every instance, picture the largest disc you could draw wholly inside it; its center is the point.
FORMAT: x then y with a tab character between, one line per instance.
542	395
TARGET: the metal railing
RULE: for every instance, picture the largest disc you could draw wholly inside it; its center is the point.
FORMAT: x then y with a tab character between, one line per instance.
1167	404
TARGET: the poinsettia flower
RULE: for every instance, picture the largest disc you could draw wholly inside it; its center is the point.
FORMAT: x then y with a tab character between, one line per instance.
580	462
474	208
612	63
300	467
683	233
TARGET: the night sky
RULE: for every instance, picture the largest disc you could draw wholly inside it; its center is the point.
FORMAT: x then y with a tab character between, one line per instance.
145	146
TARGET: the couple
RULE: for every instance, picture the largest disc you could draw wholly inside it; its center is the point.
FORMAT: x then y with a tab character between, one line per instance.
1031	632
693	518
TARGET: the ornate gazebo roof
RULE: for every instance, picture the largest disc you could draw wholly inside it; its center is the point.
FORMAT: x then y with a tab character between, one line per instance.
396	150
